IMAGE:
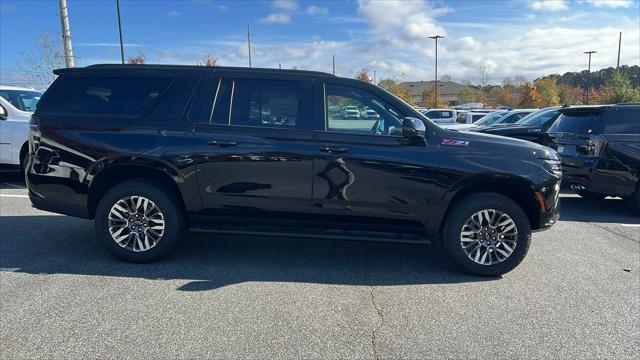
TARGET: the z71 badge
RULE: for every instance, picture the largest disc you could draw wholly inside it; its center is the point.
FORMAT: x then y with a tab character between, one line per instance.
454	142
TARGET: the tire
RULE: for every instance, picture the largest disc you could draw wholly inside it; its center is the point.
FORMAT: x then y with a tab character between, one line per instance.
24	158
586	194
455	234
150	246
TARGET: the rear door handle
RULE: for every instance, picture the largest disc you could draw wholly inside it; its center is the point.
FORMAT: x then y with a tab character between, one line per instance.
334	149
222	143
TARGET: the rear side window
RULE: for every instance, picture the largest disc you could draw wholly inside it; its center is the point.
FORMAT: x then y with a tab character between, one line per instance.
622	122
267	103
576	122
107	95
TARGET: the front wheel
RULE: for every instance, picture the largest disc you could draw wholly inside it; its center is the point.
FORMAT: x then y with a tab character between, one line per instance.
486	234
139	221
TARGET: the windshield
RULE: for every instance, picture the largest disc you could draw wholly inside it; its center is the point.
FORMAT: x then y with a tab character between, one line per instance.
538	118
490	119
576	122
24	100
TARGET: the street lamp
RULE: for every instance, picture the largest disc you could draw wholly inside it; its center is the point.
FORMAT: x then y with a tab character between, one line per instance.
436	37
589	71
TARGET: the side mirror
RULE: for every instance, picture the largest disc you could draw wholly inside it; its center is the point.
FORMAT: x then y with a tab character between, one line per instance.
413	127
3	113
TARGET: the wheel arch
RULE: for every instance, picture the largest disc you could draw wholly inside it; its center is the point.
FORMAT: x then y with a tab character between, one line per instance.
110	172
518	189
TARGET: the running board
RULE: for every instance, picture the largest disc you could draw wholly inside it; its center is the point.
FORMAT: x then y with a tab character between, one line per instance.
322	234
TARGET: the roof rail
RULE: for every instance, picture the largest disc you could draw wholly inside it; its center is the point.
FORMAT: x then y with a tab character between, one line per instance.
193	67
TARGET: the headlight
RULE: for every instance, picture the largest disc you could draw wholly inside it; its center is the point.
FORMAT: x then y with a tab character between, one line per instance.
552	166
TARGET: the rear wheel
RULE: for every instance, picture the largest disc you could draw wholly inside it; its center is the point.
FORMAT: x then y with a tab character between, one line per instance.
586	194
486	234
139	221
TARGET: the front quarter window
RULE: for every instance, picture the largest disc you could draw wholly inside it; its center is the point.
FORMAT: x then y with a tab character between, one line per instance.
363	112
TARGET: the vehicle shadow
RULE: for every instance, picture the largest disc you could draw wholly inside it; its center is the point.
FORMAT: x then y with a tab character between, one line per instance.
11	178
611	210
65	245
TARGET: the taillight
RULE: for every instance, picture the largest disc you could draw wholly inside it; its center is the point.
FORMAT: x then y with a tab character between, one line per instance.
594	146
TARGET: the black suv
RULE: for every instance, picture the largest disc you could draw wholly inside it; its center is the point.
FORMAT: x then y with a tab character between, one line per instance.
150	150
600	149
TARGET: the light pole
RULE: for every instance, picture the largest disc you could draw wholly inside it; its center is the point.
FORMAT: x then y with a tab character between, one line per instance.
374	77
436	37
589	71
120	31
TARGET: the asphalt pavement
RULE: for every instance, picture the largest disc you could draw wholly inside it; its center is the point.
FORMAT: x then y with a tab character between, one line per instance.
63	296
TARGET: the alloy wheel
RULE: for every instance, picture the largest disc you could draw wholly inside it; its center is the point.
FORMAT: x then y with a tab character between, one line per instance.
136	223
489	237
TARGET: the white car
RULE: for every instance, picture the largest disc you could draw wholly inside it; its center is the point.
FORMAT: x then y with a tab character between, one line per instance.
351	112
16	106
441	116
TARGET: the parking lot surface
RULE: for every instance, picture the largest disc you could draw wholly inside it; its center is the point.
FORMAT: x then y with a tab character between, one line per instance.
63	296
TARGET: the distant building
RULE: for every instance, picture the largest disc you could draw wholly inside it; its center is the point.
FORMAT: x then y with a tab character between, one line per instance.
448	91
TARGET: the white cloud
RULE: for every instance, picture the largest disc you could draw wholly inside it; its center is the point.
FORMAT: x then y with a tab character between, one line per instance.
611	3
317	10
276	18
173	13
288	5
549	5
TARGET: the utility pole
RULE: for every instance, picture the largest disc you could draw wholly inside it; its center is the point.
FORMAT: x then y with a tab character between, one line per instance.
334	64
436	37
249	43
280	66
374	77
66	34
619	44
120	31
589	71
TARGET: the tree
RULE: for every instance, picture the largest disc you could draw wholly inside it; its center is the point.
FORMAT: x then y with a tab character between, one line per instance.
570	95
363	75
36	69
467	95
484	74
621	90
136	60
209	60
530	96
404	94
387	84
548	90
429	99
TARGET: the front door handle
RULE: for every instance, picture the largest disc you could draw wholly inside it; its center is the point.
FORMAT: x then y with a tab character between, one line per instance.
222	143
334	149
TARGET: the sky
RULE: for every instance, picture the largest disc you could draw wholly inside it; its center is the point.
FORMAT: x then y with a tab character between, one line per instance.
529	38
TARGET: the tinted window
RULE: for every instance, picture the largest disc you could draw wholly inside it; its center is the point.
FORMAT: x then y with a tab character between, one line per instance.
513	118
433	114
211	102
537	119
22	100
446	114
268	103
577	122
376	116
624	121
130	95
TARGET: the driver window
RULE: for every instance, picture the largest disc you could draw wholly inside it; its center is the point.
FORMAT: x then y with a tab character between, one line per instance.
357	111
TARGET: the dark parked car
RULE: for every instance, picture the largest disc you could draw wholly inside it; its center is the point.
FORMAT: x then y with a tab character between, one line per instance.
532	127
149	151
600	149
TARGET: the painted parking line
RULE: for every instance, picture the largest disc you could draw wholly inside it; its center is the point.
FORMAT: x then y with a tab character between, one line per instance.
14	195
630	225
